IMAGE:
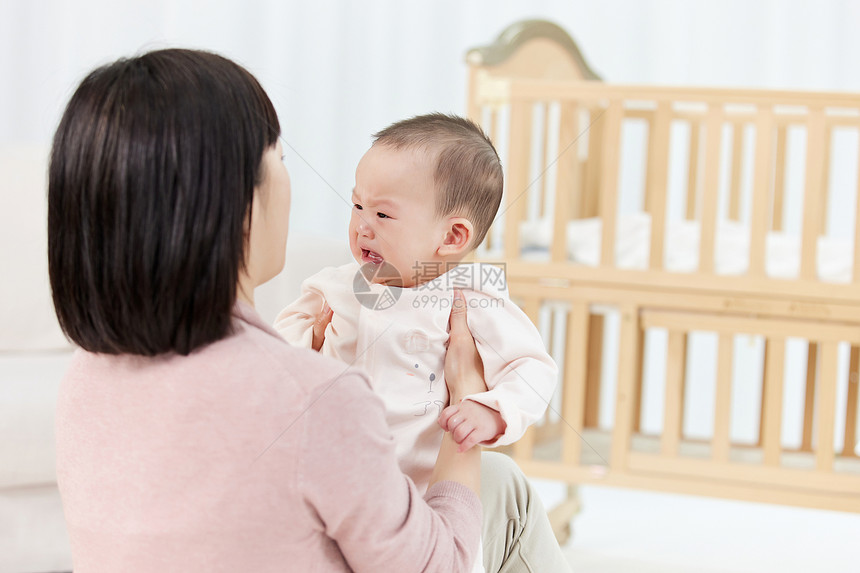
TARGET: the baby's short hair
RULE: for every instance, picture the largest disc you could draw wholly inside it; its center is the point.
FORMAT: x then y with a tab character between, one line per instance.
468	173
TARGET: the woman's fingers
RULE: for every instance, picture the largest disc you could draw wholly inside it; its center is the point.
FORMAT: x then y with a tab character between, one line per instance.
458	329
464	371
457	320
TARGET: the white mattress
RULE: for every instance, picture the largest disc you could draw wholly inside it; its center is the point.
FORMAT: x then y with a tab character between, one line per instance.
681	255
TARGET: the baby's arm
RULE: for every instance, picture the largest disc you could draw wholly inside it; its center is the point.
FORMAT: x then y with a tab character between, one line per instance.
303	322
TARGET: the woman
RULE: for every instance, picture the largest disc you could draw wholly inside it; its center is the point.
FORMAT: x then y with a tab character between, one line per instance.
189	435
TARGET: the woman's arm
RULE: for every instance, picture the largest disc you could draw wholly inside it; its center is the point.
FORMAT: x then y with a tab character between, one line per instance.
464	374
351	479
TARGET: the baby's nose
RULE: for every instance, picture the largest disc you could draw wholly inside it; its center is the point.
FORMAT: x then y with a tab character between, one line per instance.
364	229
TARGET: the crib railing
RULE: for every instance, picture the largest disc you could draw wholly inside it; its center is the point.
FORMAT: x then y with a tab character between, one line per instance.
567	445
740	152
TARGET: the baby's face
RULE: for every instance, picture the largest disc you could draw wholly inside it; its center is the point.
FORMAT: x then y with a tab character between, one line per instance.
394	214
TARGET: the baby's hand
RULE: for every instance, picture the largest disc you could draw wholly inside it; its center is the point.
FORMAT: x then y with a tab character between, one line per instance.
471	423
320	325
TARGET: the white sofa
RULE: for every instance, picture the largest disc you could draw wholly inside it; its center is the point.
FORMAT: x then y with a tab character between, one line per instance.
34	355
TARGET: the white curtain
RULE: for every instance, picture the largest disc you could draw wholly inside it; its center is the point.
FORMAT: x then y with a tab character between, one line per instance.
339	70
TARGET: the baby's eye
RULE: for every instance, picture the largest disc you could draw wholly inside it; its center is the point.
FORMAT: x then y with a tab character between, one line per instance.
382	216
357	206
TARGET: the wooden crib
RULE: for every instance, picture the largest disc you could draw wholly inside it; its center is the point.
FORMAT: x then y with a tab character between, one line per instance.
728	216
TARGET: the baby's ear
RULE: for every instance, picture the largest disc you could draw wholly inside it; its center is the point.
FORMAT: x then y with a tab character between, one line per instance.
458	237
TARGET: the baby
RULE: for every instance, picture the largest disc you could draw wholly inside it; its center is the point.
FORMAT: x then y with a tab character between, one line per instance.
425	195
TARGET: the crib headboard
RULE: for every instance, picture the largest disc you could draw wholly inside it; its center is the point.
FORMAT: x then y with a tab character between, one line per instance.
529	49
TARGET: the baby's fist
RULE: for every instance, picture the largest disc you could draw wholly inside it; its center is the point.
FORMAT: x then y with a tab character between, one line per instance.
471	423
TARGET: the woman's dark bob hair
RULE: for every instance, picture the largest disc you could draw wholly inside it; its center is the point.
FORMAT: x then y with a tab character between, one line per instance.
150	187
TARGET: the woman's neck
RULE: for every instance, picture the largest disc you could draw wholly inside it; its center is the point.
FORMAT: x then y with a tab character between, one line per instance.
245	290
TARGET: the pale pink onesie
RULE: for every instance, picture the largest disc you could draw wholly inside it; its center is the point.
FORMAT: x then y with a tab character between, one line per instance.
401	344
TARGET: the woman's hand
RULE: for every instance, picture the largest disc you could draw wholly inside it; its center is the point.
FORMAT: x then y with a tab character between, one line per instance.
464	375
464	370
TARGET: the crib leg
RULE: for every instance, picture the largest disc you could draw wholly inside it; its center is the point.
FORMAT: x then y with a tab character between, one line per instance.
560	516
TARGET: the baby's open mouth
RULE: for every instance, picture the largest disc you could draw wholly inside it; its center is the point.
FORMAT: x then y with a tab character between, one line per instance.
371	257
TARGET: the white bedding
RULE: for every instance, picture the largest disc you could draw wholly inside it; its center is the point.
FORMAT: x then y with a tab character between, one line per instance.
632	247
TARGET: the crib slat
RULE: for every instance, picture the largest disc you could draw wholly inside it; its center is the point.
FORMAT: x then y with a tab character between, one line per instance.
516	190
815	137
779	178
609	181
673	402
492	127
737	156
723	399
826	406
809	398
492	130
545	160
761	190
823	190
851	403
591	197
693	170
772	422
710	201
573	396
856	267
594	370
637	402
568	191
655	190
628	345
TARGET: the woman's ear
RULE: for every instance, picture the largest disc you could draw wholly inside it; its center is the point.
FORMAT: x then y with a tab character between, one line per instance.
458	238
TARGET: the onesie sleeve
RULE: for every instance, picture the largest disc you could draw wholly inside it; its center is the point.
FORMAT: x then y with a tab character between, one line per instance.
520	374
296	322
350	476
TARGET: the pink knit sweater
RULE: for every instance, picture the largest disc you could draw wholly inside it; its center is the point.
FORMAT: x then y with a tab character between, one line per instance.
247	455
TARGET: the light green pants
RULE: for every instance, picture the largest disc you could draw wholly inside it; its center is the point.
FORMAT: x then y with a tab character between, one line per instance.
516	536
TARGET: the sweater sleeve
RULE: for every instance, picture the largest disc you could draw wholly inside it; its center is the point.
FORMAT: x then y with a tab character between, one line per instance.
520	374
296	322
350	476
